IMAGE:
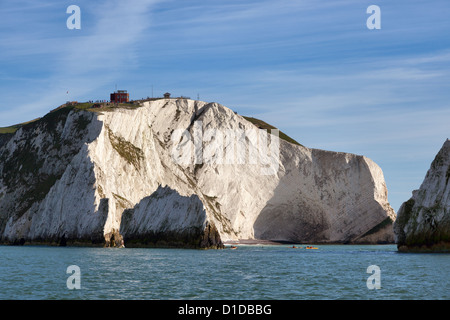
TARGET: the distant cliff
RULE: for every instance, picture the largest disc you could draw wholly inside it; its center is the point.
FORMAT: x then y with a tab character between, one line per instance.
423	222
179	172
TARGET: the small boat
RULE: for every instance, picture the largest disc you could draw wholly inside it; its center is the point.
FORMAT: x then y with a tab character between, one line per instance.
309	247
233	247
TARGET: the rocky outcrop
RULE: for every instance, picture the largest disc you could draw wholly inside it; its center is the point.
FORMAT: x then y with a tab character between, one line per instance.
4	138
179	172
167	219
423	222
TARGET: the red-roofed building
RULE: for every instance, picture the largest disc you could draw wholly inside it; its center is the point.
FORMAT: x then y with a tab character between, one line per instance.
120	96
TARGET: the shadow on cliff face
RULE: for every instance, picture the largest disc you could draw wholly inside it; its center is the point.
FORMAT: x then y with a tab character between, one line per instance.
168	219
303	222
33	163
290	215
319	211
375	221
68	215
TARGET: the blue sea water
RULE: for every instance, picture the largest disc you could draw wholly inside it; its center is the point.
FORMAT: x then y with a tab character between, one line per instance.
249	272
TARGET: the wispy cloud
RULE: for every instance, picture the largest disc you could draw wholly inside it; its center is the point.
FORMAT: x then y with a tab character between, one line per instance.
78	61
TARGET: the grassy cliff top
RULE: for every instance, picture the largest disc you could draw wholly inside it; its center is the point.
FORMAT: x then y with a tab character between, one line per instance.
88	106
263	125
14	128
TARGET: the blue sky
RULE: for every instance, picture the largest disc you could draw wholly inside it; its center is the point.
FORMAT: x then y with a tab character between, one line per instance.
310	67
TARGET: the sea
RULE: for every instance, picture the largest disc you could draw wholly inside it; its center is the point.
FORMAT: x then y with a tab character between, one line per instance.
249	272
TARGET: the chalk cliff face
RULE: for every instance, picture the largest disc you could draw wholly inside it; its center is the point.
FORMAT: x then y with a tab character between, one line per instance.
185	173
423	222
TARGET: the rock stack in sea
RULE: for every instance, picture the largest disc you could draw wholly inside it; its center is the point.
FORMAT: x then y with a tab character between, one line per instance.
423	222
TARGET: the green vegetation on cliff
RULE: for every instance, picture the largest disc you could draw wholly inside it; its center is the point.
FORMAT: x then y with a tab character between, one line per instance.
263	125
132	154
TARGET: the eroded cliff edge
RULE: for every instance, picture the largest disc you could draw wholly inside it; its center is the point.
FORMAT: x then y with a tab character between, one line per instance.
82	177
423	222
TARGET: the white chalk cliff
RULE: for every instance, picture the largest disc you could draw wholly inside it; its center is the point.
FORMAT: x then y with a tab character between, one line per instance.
423	222
141	176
